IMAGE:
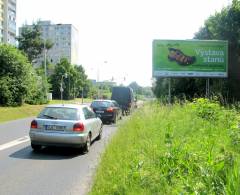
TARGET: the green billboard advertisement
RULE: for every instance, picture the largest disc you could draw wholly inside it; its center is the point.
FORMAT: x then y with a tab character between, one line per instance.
190	58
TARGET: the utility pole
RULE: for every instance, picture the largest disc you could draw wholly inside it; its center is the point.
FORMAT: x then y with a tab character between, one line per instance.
45	59
82	95
45	64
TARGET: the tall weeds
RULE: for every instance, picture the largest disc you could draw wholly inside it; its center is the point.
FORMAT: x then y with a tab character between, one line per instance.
179	149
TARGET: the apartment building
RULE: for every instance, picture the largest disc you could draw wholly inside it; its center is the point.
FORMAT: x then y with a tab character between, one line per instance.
1	19
65	41
8	21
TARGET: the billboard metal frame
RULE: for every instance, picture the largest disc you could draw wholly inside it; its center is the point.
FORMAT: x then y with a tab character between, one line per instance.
214	54
196	64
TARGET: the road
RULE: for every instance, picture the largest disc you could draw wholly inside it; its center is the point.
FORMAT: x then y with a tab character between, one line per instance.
50	171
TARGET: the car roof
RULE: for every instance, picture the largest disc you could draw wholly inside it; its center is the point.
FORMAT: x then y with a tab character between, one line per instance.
78	106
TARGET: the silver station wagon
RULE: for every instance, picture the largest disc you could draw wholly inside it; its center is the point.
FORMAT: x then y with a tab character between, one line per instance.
65	125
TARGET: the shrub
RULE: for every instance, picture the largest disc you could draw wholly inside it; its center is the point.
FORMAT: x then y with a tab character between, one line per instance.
18	80
5	92
206	109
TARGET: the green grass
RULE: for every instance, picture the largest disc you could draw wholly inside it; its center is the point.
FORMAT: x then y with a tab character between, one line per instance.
77	100
13	113
172	150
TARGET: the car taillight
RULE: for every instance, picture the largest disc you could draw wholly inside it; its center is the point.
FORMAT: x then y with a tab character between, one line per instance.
78	127
34	124
110	109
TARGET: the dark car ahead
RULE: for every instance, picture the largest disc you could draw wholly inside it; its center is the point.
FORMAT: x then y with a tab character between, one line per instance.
124	97
107	110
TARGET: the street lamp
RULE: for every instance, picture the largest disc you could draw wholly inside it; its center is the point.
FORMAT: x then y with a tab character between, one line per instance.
61	85
45	65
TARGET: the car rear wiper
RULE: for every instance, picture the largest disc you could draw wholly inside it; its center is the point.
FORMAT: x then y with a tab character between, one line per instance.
51	117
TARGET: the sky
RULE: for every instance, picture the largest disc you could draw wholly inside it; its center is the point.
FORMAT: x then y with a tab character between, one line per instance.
115	36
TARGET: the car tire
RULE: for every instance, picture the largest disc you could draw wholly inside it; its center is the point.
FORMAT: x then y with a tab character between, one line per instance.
36	147
100	133
114	121
86	147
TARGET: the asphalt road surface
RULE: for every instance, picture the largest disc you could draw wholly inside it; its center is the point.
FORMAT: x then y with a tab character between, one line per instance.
57	171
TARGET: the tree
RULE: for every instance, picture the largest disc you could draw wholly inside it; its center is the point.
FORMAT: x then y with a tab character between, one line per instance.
73	84
18	80
80	82
90	90
31	42
160	89
135	87
61	68
141	91
223	25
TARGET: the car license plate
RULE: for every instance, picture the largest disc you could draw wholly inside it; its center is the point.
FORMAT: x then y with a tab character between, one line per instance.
54	128
99	111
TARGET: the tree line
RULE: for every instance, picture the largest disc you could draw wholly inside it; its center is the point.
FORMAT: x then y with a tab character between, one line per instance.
223	25
21	83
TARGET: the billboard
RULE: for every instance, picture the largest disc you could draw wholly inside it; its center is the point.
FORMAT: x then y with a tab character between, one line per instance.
190	58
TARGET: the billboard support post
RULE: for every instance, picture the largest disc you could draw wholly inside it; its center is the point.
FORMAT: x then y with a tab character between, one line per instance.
169	91
207	88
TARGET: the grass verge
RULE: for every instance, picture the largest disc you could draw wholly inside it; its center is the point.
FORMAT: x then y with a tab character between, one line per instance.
179	149
13	113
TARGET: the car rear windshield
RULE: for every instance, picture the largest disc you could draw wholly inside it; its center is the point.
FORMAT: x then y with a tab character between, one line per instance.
59	113
104	104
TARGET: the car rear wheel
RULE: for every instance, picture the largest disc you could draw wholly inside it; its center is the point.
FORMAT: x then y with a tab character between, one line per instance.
86	147
114	119
36	147
120	117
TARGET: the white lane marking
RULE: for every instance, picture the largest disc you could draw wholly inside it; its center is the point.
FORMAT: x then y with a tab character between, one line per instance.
14	142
